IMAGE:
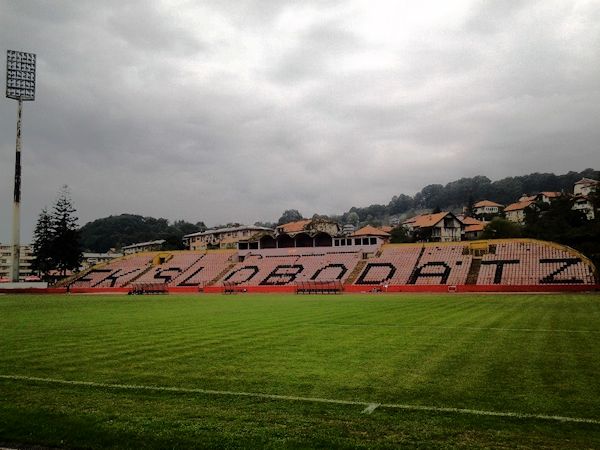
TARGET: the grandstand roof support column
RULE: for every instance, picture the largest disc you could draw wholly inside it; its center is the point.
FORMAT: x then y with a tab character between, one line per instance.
20	86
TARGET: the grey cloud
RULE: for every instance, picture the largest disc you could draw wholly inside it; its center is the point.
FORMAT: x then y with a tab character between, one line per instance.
316	52
214	111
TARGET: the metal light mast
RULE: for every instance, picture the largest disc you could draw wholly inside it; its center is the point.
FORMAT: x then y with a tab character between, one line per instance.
20	86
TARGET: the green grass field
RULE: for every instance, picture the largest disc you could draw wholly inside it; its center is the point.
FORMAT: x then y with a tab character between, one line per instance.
536	355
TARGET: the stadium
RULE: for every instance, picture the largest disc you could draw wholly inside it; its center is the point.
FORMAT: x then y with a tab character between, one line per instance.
480	266
442	291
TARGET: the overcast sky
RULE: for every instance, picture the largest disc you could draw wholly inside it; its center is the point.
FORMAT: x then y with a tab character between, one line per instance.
228	111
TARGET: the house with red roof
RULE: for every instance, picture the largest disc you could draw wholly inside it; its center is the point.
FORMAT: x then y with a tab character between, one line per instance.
585	186
438	227
515	212
548	196
473	227
487	208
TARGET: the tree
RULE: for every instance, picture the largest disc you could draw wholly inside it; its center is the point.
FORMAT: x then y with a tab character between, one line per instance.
103	234
399	235
353	218
66	249
500	228
400	204
556	222
265	224
289	215
470	209
42	245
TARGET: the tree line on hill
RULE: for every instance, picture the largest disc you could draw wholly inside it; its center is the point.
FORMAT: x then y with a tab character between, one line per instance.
115	232
456	194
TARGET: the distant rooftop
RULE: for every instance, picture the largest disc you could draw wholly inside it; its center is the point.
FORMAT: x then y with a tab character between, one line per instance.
144	244
228	230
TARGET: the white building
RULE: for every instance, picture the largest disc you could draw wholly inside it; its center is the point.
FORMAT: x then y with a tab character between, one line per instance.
25	259
91	259
585	186
224	238
487	207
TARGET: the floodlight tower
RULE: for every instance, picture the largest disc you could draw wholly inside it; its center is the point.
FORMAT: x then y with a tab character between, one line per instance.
20	86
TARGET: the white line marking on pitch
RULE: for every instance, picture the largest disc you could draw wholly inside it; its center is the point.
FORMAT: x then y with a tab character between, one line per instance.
369	406
369	409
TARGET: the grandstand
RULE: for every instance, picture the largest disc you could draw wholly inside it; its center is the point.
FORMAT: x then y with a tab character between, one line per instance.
515	264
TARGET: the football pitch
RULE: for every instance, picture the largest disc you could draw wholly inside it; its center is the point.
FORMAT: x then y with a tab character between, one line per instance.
272	371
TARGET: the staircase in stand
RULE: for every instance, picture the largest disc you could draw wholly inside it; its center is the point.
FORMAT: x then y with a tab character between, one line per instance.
412	277
139	275
356	271
221	275
474	271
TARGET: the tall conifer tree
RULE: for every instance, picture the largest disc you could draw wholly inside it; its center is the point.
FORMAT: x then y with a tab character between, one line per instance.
42	245
66	248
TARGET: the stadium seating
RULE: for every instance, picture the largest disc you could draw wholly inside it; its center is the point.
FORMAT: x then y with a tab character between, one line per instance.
394	266
204	270
533	263
116	273
170	270
487	263
442	265
286	268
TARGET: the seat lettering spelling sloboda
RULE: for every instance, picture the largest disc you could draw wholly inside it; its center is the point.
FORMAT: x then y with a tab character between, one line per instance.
114	277
160	274
370	266
90	273
252	269
342	267
185	283
277	278
418	273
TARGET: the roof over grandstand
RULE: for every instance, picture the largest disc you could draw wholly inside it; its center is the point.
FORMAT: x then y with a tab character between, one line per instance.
144	244
370	230
228	230
237	111
309	226
294	227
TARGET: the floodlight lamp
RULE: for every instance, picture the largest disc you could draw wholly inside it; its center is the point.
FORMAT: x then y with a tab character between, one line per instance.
20	75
